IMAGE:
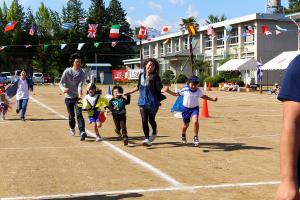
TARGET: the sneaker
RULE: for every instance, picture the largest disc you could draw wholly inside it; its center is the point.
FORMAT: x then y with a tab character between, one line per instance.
147	143
22	119
152	137
17	111
125	139
98	138
196	141
183	140
82	136
72	132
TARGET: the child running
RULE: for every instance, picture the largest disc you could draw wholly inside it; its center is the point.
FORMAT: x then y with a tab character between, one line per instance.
117	107
93	103
190	108
4	103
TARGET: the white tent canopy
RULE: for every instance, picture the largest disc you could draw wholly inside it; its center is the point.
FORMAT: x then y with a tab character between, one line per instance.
280	62
239	64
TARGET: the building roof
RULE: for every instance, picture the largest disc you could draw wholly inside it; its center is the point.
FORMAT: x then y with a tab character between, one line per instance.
280	62
247	18
239	64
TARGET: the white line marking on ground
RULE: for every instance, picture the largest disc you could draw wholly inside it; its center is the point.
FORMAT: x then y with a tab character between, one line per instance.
116	192
134	159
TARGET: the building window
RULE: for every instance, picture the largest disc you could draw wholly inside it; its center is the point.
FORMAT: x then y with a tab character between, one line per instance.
161	48
207	41
146	51
176	45
154	50
220	38
234	36
249	38
168	46
185	44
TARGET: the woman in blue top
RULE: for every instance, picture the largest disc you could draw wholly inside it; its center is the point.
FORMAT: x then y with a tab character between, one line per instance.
149	87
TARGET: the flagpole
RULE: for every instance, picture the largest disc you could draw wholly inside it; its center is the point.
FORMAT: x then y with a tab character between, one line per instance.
141	54
298	30
192	55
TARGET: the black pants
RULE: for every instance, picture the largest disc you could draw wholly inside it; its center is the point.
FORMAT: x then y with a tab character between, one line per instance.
148	116
120	124
71	107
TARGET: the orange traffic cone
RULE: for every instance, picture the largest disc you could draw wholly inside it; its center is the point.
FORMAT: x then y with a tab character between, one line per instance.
204	113
209	87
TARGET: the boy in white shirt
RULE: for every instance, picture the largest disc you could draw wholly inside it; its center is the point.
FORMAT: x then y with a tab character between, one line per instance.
190	108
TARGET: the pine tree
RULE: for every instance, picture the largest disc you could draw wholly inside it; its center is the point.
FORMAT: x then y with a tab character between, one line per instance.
73	13
294	6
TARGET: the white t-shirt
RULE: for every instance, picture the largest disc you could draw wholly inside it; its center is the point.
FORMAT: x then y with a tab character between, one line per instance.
190	99
22	91
91	99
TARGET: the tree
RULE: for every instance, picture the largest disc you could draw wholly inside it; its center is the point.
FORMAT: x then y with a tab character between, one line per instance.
202	66
214	19
294	6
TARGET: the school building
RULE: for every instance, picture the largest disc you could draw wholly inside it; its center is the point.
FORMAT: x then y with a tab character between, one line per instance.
172	50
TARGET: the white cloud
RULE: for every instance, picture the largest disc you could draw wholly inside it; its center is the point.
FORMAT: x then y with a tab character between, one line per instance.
154	6
154	21
177	1
192	12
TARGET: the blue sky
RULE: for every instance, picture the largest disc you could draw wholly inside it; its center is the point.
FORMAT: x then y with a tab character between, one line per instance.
158	13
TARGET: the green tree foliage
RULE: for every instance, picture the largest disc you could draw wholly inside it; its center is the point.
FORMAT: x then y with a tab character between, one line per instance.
214	19
294	6
167	77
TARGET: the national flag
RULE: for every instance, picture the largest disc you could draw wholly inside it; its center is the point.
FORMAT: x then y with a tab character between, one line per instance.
67	26
80	45
114	31
32	30
277	32
114	43
10	26
192	30
92	30
166	41
62	46
265	30
249	30
142	33
27	46
2	48
211	32
165	29
281	29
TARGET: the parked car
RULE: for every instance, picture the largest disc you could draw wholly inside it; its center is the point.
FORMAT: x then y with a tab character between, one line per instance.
47	78
37	77
10	78
3	78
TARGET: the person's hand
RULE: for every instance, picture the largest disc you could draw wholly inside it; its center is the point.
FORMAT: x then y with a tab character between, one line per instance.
166	89
215	99
66	90
287	190
126	93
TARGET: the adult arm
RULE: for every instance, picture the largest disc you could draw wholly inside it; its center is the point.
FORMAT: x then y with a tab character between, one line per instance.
80	85
62	83
289	150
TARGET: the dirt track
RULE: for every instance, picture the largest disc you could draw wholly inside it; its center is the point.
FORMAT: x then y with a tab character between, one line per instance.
239	144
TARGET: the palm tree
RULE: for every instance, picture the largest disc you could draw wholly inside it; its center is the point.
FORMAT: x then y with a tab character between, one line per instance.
214	18
185	22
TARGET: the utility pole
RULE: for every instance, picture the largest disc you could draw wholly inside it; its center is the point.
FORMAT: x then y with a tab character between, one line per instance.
141	54
191	54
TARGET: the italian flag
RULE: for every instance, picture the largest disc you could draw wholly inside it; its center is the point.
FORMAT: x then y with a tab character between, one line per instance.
114	31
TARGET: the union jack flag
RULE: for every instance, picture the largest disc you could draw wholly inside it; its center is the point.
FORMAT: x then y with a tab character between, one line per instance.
92	30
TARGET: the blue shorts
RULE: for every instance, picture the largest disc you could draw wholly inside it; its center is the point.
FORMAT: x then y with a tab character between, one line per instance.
188	113
95	117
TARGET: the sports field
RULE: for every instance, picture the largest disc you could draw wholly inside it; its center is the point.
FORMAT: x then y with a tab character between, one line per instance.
238	156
